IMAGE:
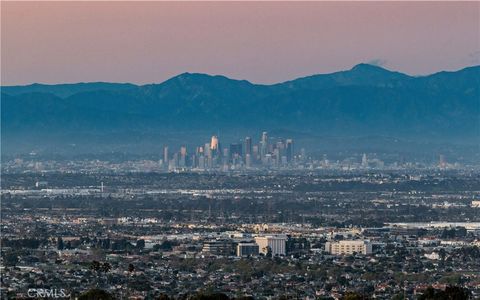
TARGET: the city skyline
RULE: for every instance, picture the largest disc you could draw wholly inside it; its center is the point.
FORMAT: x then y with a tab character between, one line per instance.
242	154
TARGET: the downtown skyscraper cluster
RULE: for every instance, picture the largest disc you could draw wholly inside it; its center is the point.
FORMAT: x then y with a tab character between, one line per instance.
245	154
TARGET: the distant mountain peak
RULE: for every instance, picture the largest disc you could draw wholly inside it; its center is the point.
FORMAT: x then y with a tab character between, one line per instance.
368	67
203	78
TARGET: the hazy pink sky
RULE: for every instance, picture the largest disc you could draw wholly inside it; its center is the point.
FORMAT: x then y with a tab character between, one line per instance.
263	42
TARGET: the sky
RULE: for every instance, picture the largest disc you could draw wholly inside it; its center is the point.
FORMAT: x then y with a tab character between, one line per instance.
263	42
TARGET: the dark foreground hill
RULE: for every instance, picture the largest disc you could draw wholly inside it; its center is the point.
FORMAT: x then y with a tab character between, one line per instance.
364	101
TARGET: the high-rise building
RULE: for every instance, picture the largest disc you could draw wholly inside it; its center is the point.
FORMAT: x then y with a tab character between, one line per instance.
182	161
208	156
235	150
248	160
303	154
214	144
264	145
165	155
290	150
193	162
207	150
364	160
255	153
441	161
248	145
201	162
265	137
275	243
226	152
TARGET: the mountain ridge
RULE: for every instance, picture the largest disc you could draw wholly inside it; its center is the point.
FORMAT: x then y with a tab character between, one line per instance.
365	100
11	89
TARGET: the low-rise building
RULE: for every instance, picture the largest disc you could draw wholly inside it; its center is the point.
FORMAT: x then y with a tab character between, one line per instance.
349	247
219	247
247	249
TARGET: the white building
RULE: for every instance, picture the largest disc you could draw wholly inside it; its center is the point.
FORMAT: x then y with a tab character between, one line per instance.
276	243
349	247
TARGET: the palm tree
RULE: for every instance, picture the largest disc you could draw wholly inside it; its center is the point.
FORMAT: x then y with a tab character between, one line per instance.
106	267
131	268
95	266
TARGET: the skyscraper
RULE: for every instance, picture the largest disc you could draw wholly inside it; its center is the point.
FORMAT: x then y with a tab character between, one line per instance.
290	150
248	160
364	160
214	143
265	137
236	155
165	155
248	145
264	145
183	157
208	156
236	150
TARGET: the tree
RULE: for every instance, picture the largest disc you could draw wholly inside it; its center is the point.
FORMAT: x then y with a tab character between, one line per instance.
442	254
95	266
140	244
10	258
131	268
450	293
163	296
95	294
354	296
167	245
268	251
156	247
60	245
213	296
106	267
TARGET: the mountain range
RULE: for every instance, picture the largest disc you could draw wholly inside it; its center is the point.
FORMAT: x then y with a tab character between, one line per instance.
366	100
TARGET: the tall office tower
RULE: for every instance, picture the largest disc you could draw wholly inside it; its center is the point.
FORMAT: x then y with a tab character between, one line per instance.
214	145
173	164
225	155
248	145
183	150
235	150
442	163
193	162
276	155
364	160
201	162
265	137
255	153
165	155
280	146
207	151
208	156
290	150
264	145
248	160
182	161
